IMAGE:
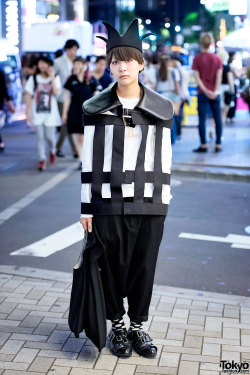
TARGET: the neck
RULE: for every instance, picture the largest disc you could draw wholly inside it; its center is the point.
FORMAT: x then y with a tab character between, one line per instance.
44	74
205	50
70	58
80	76
131	91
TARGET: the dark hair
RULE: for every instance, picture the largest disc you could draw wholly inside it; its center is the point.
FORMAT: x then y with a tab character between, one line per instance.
231	57
163	70
71	43
59	53
99	58
80	58
45	59
125	53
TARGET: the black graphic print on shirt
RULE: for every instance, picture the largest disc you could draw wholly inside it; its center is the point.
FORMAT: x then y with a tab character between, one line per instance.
43	97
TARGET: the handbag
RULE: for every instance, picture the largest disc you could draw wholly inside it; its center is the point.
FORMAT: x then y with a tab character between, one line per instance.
228	97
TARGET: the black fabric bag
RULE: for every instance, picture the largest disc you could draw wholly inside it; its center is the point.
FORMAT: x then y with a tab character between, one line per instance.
87	305
228	97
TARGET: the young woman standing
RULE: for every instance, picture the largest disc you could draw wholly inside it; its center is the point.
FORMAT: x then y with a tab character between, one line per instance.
126	165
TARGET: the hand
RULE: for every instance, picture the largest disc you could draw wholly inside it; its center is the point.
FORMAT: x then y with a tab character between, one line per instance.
11	107
86	223
51	72
211	94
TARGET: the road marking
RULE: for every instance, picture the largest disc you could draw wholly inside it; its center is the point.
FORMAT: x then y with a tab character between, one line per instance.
31	197
53	243
237	241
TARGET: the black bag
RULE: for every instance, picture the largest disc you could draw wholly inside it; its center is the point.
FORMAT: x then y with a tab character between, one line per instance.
228	97
87	305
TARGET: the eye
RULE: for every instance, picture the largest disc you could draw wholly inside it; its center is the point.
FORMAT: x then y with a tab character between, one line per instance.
114	62
128	60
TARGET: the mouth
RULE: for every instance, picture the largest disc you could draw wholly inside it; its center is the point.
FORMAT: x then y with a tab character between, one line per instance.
124	76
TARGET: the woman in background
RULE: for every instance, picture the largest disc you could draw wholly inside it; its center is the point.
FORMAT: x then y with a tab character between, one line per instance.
80	86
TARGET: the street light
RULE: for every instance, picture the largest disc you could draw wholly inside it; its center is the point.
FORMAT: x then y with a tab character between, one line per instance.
177	28
167	25
148	21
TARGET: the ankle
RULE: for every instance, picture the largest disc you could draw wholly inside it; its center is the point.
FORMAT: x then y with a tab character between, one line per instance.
118	325
134	326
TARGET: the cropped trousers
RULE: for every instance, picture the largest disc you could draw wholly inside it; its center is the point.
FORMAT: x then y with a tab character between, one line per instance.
127	266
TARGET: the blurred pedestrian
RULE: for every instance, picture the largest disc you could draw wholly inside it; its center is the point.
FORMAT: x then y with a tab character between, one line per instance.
41	108
168	84
100	72
236	77
4	97
80	86
184	92
148	75
63	67
208	74
227	92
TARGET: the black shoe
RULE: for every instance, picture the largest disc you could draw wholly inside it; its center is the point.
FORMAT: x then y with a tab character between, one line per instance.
75	155
217	149
142	343
118	344
200	149
59	154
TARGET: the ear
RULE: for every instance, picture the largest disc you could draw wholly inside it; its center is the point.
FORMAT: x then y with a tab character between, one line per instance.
141	67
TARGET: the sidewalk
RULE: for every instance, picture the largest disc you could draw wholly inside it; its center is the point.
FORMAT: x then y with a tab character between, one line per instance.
233	163
194	330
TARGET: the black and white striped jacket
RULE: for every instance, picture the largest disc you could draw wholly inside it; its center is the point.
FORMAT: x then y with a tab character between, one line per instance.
104	178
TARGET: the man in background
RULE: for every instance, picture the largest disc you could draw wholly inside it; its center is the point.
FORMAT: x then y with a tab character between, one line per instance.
208	74
63	67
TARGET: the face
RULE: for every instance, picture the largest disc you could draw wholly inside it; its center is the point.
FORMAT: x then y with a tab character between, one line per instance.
71	52
78	67
100	66
125	72
43	66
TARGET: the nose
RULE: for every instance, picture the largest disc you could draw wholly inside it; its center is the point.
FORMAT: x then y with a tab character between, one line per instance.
123	66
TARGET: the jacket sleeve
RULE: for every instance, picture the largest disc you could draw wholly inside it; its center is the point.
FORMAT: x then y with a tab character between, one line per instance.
87	159
166	163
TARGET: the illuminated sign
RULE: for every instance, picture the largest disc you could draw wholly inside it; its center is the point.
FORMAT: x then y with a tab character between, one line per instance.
11	21
217	5
238	8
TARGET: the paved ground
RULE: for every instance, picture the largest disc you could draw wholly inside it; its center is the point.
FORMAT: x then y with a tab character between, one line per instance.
194	331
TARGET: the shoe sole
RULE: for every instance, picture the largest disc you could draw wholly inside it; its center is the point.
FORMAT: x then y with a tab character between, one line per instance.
145	356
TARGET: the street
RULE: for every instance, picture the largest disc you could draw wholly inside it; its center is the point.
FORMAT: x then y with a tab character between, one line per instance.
40	221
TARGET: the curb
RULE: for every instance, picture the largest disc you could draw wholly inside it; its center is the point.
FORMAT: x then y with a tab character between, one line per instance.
226	174
66	277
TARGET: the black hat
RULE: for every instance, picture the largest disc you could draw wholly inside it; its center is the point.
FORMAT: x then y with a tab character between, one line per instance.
131	38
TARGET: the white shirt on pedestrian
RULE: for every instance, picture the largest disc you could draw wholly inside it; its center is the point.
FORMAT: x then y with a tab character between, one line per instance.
44	108
63	67
132	143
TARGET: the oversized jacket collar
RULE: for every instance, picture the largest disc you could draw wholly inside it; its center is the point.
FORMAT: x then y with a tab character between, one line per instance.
151	103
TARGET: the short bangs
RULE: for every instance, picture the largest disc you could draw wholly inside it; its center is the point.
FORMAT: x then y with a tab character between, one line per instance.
125	53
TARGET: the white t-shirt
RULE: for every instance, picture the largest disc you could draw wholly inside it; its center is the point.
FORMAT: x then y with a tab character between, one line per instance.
132	143
44	108
63	67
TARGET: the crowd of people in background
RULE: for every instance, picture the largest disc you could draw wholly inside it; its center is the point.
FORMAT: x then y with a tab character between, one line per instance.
56	88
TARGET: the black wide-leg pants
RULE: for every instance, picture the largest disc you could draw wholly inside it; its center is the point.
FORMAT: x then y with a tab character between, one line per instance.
131	244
